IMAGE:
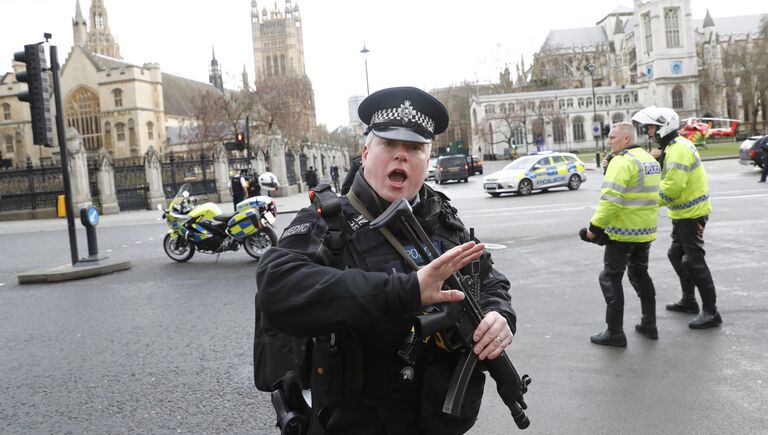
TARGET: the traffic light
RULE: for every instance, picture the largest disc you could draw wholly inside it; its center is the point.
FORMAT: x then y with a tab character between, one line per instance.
240	140
606	130
37	93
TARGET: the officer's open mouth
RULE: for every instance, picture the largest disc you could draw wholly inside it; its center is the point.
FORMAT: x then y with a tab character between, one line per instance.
398	176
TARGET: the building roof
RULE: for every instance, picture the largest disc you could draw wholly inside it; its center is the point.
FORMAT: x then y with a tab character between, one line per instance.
179	94
573	38
740	25
102	62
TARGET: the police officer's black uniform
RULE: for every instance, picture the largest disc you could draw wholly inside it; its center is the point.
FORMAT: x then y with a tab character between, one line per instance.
355	288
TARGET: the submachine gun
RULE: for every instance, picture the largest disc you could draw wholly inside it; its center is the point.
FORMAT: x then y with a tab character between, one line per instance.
459	320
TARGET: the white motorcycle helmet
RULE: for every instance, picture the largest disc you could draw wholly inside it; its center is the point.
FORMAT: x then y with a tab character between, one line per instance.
268	181
666	119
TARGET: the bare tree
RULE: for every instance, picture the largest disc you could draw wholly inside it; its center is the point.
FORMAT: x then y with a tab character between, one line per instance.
208	126
746	73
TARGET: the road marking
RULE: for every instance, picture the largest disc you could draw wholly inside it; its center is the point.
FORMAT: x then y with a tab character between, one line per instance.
138	242
740	196
109	250
496	210
124	246
516	212
151	238
2	284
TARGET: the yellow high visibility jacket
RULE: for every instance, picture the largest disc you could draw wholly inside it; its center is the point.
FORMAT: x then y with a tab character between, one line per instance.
684	188
629	196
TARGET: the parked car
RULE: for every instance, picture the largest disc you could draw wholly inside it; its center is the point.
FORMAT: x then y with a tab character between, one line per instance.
431	169
451	168
475	165
751	150
536	172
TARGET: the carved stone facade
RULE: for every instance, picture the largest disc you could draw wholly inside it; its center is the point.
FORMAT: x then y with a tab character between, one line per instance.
652	54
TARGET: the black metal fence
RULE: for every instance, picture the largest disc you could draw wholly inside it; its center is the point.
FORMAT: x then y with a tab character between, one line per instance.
198	173
30	187
131	185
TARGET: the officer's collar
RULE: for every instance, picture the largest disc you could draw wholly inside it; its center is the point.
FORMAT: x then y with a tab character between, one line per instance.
668	139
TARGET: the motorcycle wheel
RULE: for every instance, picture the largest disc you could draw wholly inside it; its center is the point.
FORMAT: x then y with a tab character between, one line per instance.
257	244
180	252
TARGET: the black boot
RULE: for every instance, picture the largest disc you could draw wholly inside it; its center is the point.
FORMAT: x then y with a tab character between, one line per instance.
610	338
705	320
684	305
648	330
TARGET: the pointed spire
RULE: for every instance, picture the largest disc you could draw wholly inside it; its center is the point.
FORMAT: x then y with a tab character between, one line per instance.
79	12
708	21
213	52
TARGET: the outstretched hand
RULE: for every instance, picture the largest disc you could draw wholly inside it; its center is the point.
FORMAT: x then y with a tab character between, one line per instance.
432	276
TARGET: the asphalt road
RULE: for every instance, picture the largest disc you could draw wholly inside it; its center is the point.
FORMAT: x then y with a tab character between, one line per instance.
165	347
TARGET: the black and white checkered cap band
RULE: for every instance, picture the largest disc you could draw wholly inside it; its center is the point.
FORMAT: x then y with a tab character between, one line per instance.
406	113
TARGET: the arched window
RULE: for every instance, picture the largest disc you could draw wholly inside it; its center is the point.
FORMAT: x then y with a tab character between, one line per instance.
474	118
677	97
617	118
503	109
120	132
150	130
519	136
626	98
269	66
558	130
607	100
580	102
578	128
672	25
588	101
117	94
275	65
108	137
83	112
570	103
618	100
9	144
646	18
537	129
282	64
561	104
6	111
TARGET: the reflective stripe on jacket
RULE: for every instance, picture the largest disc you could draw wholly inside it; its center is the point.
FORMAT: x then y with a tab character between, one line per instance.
684	187
629	196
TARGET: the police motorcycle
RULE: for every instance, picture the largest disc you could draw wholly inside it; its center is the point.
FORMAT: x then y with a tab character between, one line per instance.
207	229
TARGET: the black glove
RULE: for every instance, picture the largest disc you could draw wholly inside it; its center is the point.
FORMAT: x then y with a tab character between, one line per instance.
583	235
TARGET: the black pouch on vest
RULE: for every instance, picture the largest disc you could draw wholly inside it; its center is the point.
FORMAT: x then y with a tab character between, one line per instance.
337	369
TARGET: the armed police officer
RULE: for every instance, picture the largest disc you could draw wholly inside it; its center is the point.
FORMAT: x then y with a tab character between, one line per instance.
685	193
625	222
333	278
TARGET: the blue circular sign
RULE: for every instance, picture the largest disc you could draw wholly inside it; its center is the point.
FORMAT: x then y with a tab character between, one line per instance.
93	216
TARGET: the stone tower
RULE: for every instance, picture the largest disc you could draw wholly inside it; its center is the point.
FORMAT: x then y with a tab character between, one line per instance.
79	27
666	54
281	80
214	72
99	39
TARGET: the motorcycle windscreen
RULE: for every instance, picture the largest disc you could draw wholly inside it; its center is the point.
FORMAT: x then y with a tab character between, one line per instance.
244	224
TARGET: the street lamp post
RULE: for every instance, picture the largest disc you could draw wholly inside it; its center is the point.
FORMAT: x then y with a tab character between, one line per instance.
365	52
591	69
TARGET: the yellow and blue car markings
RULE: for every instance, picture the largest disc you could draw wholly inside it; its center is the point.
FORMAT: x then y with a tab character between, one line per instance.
241	225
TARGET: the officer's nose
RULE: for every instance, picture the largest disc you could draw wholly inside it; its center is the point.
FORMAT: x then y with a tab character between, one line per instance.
400	153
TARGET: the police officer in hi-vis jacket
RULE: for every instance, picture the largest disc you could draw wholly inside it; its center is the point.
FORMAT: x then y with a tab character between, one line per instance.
685	193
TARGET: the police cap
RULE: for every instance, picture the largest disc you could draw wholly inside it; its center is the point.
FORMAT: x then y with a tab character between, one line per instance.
405	113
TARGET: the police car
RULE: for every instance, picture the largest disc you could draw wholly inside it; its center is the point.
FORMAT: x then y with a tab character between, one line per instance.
537	172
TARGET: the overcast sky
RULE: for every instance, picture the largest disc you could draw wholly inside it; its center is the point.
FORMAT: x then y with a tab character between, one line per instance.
424	43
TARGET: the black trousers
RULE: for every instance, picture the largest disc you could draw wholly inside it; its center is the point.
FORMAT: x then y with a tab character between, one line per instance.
633	257
765	167
687	257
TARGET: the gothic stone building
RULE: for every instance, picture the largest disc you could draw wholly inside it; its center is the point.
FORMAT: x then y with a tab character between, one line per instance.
652	54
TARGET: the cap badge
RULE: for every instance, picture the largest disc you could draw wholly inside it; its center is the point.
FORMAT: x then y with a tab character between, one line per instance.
406	112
